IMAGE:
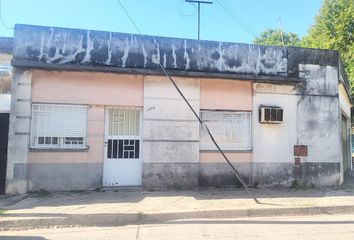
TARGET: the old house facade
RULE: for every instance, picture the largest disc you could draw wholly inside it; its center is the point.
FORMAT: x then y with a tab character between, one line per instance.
5	88
93	109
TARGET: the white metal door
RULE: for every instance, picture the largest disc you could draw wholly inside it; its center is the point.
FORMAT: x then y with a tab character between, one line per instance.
122	161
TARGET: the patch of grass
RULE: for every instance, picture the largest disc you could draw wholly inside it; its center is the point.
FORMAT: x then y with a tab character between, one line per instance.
2	211
298	185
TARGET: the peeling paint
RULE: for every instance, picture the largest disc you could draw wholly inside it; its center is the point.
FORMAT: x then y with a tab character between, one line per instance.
174	64
125	55
108	61
69	46
186	56
145	54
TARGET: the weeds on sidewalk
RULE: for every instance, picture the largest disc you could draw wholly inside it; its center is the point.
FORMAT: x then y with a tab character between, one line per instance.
298	185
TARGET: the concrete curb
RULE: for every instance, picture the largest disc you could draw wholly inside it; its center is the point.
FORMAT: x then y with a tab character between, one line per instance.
120	219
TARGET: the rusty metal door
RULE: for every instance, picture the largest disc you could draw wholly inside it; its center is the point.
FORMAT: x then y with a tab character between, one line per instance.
4	130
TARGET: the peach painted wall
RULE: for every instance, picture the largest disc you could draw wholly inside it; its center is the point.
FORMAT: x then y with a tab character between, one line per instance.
89	88
225	94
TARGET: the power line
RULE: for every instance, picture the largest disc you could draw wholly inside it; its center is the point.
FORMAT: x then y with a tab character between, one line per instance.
237	174
2	20
131	19
237	19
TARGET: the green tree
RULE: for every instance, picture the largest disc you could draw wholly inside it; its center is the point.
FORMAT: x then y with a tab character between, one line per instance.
276	37
333	29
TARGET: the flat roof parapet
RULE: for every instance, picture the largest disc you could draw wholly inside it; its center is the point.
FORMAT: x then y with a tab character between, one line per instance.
50	47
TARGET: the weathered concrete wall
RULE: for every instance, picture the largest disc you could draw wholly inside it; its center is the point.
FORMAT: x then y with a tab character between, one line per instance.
215	172
273	144
64	176
19	132
83	47
171	134
319	118
60	48
311	118
221	94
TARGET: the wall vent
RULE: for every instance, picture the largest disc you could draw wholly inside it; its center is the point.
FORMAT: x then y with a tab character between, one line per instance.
270	114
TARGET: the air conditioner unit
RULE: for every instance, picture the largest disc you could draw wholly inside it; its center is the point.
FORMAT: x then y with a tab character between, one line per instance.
270	114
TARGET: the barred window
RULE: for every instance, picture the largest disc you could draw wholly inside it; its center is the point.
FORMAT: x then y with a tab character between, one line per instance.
231	130
56	126
123	133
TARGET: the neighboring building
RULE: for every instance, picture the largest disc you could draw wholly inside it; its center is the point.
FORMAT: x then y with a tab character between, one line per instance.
92	109
6	45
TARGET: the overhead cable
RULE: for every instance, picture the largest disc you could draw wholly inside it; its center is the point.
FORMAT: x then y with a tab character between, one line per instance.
2	20
238	175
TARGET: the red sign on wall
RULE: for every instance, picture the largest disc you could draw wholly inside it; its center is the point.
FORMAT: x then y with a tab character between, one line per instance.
300	150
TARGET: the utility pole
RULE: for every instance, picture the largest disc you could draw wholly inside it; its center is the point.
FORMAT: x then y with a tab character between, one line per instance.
199	2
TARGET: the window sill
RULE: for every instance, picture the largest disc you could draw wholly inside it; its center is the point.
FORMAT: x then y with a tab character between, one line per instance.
32	149
226	151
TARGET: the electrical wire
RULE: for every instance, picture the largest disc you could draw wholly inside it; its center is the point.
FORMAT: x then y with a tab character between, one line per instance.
238	175
203	124
236	18
131	19
2	20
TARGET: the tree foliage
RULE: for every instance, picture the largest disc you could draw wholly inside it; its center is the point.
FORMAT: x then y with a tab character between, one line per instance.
276	37
333	28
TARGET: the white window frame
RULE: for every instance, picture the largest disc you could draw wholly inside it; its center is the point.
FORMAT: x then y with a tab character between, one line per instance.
207	144
55	137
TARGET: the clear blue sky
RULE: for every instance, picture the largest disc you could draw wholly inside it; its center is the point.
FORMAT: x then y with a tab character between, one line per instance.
174	18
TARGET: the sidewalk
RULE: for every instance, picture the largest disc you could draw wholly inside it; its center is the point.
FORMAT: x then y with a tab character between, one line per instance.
64	209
